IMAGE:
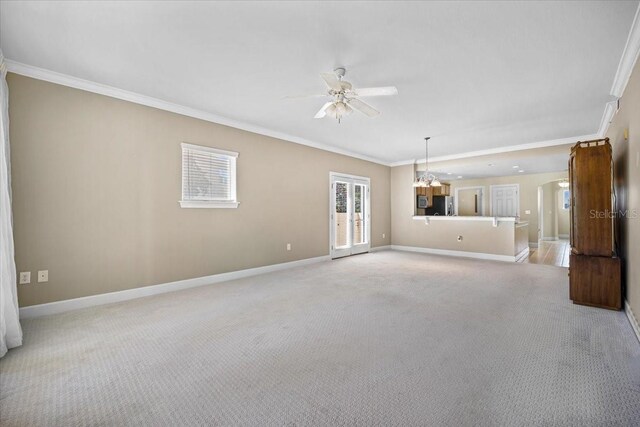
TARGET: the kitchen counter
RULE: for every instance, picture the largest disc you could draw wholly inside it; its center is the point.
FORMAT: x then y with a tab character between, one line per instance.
492	219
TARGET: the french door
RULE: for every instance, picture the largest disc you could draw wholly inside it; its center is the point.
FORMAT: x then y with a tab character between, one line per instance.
350	215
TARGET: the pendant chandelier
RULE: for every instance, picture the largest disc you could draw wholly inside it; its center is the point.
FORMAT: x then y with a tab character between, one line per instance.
426	180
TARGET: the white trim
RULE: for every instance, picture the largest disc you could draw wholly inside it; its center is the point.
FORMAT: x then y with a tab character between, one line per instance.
208	149
499	150
522	254
491	187
351	249
349	176
628	59
136	98
607	117
207	204
145	291
380	248
456	199
478	255
463	218
540	230
89	86
110	91
632	319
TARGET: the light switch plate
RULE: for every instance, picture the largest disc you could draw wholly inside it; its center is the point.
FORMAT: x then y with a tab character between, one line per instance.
43	276
527	212
288	246
25	277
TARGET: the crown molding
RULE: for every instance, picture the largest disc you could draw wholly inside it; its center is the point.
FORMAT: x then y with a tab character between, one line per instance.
628	59
499	150
607	117
136	98
113	92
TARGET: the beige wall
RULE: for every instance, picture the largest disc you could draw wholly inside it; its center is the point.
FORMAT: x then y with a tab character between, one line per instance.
528	193
626	154
562	218
549	210
96	184
522	238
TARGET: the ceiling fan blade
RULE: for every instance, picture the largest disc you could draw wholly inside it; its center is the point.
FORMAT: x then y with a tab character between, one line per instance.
332	81
323	111
363	107
304	96
376	91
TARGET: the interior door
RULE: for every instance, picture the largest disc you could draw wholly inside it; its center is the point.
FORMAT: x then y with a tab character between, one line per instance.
504	200
350	215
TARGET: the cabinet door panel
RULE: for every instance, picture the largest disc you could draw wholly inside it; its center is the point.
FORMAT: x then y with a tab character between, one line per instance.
592	210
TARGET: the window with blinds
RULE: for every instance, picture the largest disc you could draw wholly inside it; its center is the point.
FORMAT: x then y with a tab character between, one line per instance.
208	177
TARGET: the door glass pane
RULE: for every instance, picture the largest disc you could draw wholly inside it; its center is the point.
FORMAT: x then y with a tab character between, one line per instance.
342	215
358	218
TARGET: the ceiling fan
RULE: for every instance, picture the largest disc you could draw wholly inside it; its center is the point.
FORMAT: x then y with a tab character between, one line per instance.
345	98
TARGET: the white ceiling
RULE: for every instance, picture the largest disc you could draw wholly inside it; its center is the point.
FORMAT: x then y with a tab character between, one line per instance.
521	162
473	75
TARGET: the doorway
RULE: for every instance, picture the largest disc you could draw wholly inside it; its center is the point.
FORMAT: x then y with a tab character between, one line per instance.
350	215
553	211
468	201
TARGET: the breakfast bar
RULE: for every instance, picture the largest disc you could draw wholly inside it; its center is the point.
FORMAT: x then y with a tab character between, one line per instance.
497	238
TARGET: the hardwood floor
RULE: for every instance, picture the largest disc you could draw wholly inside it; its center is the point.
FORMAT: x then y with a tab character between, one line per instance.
550	253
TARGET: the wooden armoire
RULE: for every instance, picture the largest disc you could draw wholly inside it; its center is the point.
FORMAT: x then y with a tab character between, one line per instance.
594	268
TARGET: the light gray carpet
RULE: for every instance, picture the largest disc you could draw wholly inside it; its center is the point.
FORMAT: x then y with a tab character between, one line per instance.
388	338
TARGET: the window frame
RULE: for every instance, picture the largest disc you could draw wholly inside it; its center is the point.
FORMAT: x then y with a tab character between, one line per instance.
567	206
213	204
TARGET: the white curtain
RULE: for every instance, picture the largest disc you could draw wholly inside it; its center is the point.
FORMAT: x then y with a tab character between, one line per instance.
10	331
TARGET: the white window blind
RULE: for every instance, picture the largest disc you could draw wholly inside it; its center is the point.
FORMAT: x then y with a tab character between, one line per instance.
208	177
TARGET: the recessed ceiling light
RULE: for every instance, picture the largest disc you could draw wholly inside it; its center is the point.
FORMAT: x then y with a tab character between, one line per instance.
520	171
490	164
459	176
515	167
449	173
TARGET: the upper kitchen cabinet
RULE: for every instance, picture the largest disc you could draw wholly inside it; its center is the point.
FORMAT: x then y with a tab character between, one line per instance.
443	190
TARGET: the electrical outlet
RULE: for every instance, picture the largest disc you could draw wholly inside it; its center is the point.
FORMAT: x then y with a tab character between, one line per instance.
43	276
459	238
383	235
25	277
288	246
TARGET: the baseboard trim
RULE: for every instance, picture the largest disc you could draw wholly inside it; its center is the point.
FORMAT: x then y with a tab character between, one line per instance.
522	254
145	291
380	248
563	236
478	255
632	319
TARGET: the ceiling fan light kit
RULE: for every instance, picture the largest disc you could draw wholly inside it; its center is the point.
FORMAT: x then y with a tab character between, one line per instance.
345	98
